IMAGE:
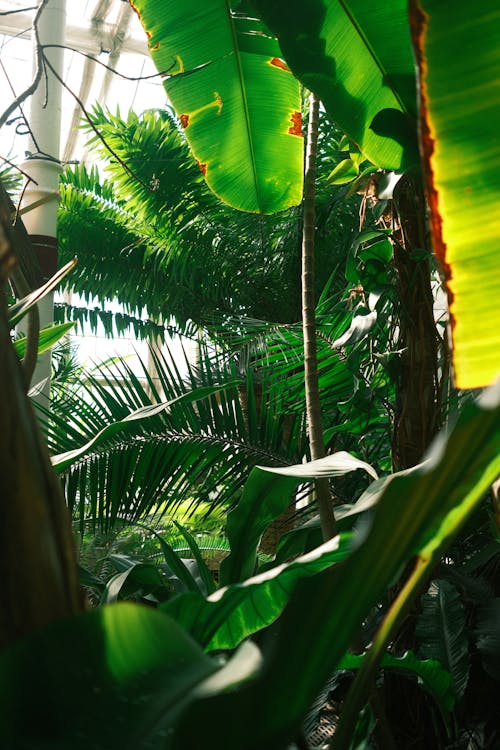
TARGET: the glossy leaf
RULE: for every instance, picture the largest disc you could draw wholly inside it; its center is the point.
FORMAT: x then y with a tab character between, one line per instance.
48	337
265	497
458	65
205	574
488	636
136	576
104	679
357	58
434	677
231	614
417	510
178	567
441	631
235	97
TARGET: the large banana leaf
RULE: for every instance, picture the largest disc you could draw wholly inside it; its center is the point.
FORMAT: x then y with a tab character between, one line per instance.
418	511
232	613
236	99
356	56
459	64
134	671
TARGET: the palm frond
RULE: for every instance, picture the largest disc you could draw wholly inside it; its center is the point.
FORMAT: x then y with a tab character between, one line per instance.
199	449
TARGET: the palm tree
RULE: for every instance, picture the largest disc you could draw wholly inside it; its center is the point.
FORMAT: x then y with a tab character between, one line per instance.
155	238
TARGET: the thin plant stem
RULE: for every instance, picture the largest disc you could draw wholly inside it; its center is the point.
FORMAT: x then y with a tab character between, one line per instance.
313	406
359	694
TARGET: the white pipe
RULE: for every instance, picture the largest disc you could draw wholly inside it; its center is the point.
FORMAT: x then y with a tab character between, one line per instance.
44	167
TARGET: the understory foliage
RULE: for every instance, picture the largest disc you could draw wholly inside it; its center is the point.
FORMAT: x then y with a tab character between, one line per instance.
204	608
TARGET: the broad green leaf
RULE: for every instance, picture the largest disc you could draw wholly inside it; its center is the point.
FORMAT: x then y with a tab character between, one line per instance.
345	171
229	615
105	679
235	97
335	465
48	337
418	511
356	57
177	565
435	678
18	310
441	631
266	495
205	573
139	575
488	636
459	92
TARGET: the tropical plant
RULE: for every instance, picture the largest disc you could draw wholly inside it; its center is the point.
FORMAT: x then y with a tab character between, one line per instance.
138	679
128	447
181	251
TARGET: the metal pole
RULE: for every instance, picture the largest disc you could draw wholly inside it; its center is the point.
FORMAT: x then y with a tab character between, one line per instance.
43	164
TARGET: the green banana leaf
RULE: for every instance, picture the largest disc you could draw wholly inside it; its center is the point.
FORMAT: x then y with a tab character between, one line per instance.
418	511
459	93
235	97
137	680
266	495
356	56
231	614
103	679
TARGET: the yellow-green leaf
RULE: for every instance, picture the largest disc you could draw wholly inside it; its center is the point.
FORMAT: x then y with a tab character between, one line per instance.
458	51
235	97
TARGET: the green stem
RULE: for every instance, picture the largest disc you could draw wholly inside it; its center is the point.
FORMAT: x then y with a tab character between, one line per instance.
359	694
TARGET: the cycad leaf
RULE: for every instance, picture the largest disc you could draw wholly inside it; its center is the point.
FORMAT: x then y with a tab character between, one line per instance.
235	97
442	633
356	57
459	64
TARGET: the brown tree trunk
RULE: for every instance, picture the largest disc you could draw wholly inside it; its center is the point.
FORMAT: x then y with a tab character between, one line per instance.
313	408
418	387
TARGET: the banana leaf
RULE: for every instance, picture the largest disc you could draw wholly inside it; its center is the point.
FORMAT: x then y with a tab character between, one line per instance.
459	118
138	680
418	511
356	56
236	99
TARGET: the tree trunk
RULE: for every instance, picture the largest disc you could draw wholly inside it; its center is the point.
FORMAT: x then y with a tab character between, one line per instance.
418	389
313	407
36	548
